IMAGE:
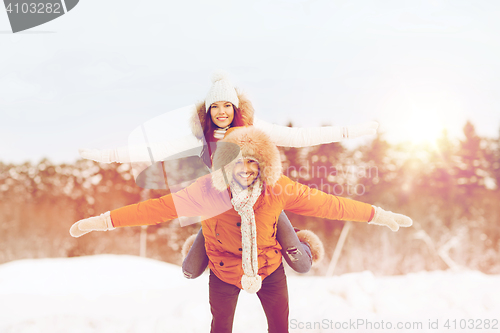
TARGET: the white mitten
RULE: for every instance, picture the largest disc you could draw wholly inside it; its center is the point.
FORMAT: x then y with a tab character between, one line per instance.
98	223
390	219
355	131
106	155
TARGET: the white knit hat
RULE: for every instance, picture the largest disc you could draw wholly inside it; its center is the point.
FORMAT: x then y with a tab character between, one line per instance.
222	90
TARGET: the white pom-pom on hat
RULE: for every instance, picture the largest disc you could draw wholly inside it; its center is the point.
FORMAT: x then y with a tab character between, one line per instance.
219	75
222	90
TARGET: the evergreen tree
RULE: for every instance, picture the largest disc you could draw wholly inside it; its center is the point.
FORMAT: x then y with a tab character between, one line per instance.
493	157
377	172
470	169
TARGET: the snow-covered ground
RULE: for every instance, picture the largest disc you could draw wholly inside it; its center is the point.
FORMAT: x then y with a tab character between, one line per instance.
109	293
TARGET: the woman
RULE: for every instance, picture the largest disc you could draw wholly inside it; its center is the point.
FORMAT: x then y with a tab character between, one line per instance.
204	129
241	240
223	108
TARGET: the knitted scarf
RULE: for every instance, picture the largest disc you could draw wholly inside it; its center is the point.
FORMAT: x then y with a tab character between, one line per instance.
220	132
243	201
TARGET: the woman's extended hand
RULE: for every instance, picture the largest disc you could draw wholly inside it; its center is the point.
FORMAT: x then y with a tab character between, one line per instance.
102	156
356	131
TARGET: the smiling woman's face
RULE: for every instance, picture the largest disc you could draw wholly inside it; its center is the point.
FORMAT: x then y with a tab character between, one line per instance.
246	171
222	113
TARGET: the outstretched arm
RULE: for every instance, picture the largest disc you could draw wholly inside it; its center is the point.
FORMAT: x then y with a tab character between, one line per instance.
149	212
304	200
310	136
191	201
144	153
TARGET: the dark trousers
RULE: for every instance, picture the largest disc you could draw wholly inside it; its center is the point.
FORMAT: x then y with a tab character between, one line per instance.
273	296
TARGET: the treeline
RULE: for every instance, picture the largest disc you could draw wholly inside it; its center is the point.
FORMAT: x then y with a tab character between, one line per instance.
450	189
39	203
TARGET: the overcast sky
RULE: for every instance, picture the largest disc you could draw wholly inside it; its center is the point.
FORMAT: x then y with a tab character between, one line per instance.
90	77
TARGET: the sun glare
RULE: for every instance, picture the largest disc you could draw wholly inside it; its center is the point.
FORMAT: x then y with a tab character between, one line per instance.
424	127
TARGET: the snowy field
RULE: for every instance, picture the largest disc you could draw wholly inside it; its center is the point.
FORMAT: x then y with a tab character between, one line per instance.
109	293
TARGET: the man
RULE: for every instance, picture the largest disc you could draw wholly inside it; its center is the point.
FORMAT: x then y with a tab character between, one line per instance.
240	202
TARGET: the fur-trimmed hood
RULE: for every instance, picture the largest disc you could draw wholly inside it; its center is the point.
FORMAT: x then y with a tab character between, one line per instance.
251	143
198	118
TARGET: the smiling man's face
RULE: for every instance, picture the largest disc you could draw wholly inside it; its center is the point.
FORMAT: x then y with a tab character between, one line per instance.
246	171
